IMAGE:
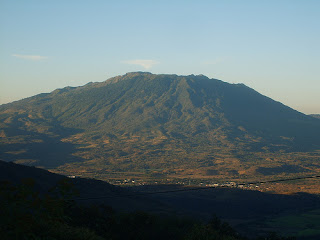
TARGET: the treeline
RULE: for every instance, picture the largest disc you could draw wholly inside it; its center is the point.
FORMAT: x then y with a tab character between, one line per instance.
28	214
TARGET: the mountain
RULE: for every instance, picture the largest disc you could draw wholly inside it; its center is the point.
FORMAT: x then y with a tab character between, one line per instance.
315	115
152	125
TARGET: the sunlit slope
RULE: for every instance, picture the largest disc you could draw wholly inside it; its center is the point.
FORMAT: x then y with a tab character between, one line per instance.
152	115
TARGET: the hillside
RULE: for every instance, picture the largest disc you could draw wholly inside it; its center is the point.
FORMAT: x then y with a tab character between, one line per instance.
156	125
315	115
251	212
88	191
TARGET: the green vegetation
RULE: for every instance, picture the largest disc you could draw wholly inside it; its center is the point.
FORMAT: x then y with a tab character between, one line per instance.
187	126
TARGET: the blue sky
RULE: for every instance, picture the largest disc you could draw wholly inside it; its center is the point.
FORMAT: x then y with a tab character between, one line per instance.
272	46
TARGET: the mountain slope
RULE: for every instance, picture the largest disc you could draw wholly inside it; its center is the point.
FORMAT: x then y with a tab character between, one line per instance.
315	115
87	191
142	121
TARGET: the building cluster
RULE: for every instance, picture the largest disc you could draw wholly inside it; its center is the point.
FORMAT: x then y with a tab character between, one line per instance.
185	182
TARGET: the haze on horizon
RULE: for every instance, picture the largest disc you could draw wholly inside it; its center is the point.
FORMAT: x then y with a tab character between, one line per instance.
271	46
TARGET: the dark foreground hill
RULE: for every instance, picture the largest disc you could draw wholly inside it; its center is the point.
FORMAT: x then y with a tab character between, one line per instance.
157	125
250	212
86	191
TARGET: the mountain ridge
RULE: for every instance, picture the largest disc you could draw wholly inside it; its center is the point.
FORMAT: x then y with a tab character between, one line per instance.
148	121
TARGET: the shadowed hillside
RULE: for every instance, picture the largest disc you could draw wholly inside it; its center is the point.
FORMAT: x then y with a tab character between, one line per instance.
251	212
88	191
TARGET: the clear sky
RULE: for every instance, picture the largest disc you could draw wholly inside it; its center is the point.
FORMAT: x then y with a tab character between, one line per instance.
272	46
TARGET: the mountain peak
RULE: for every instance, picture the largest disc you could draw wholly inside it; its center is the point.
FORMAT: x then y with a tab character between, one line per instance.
138	73
142	120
